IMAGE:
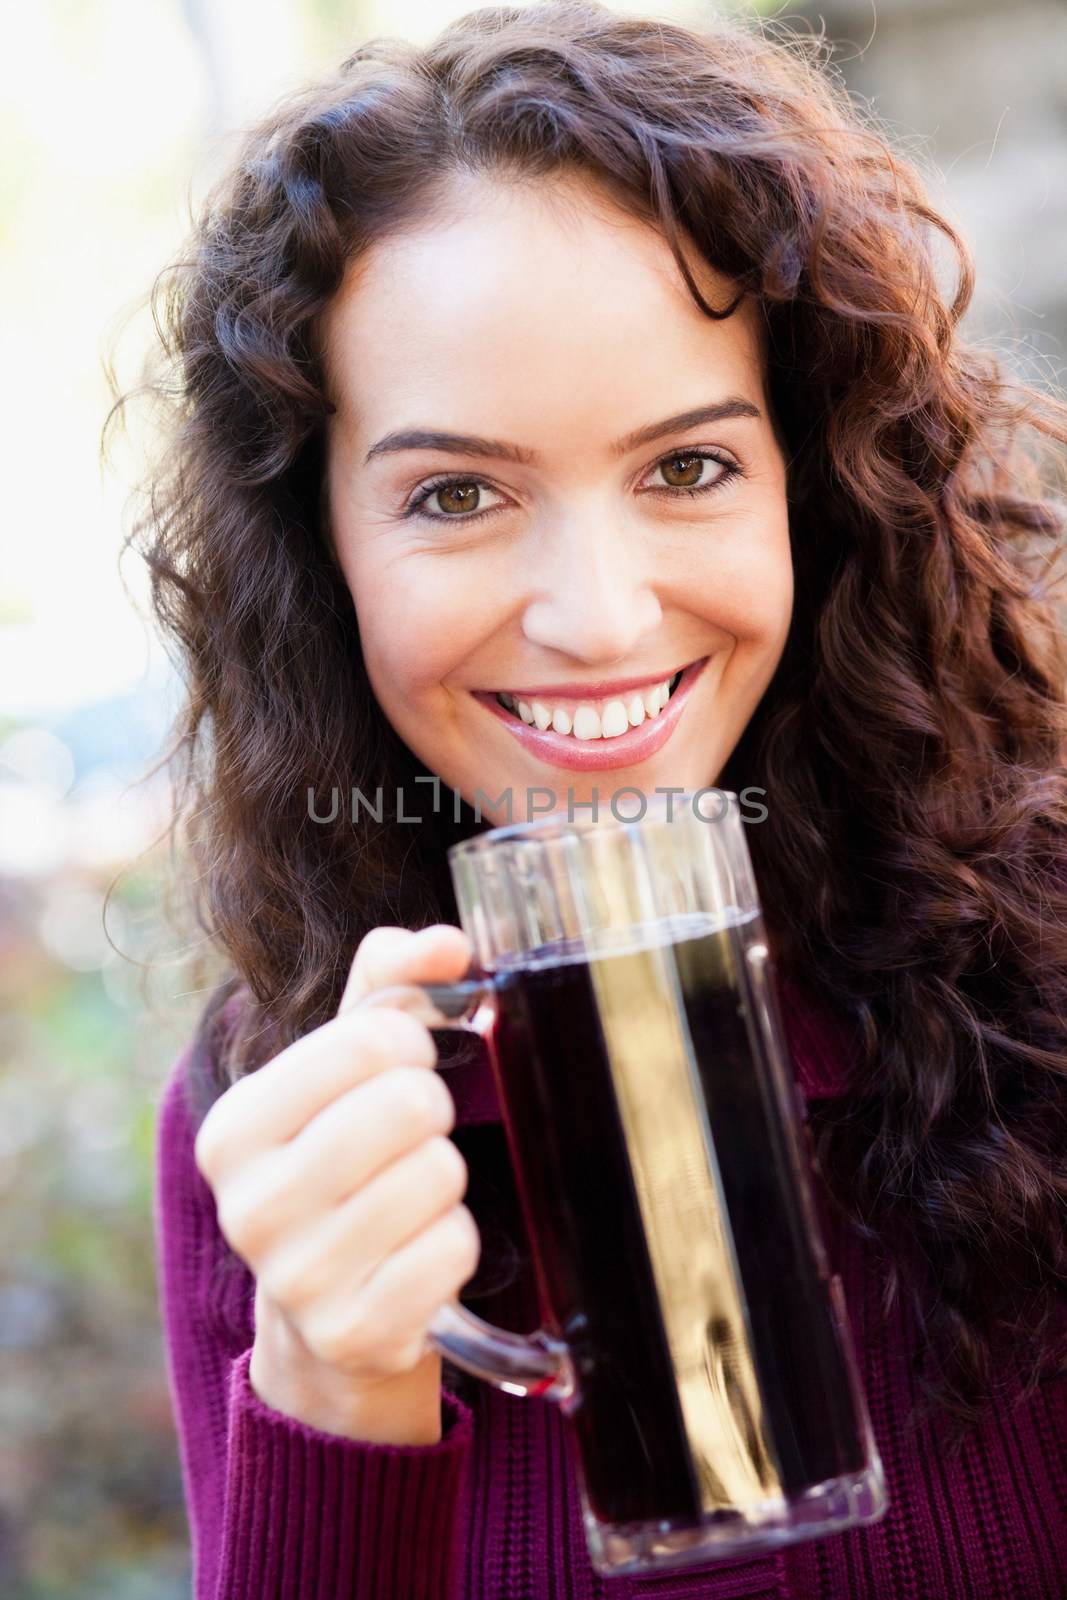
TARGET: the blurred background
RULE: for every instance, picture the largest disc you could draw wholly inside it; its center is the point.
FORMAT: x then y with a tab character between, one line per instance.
115	116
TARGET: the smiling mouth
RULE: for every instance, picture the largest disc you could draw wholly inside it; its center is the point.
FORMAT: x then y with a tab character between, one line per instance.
606	718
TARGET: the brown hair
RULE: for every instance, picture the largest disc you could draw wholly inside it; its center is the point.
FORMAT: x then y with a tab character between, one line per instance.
913	740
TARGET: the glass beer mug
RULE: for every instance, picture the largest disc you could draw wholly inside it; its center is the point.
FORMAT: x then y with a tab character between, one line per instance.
693	1335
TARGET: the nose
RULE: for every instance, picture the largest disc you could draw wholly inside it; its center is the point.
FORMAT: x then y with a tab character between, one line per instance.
593	598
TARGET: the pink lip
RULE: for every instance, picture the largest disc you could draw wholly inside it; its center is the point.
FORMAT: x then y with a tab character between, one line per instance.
599	755
585	691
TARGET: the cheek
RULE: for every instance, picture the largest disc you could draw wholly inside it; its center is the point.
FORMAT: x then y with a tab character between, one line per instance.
748	592
413	630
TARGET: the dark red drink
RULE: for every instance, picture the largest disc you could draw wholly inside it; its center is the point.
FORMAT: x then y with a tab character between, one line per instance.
654	1164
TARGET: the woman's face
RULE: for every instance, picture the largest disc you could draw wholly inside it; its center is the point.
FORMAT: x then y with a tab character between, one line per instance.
517	432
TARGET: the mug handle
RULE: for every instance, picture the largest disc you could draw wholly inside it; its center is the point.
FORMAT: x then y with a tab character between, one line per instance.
534	1364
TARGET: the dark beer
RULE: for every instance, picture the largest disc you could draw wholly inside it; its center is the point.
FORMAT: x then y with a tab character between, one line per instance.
669	1238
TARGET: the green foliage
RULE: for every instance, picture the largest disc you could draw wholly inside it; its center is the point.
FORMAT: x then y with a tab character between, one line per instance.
92	1493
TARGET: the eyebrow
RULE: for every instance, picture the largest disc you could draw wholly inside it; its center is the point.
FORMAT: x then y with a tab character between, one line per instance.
471	444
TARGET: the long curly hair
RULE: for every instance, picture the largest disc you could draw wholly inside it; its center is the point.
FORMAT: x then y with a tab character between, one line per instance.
912	742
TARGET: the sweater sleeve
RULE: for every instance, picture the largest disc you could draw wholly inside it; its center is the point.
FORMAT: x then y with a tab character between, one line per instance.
277	1508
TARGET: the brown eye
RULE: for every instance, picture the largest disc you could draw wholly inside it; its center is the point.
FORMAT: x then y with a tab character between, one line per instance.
458	498
683	472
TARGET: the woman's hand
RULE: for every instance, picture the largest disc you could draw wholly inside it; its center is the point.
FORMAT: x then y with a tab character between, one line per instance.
336	1182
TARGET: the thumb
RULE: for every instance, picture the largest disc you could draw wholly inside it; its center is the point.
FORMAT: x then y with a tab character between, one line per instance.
390	955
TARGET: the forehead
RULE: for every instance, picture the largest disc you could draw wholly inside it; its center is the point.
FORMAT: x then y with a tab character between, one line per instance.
545	281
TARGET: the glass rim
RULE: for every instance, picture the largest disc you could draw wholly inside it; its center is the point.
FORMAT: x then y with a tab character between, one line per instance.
557	825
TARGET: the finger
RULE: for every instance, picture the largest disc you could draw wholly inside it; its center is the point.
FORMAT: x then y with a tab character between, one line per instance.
349	1241
279	1191
387	955
273	1104
403	1293
401	1296
368	952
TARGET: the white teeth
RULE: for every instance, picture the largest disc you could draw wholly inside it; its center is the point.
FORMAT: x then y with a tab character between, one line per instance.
614	720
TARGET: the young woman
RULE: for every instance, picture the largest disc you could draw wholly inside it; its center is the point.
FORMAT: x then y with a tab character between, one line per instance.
543	363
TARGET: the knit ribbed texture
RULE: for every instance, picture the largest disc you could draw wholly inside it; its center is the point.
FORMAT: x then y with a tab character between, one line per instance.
281	1511
302	1519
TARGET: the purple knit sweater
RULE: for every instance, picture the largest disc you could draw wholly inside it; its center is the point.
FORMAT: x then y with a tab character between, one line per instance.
280	1511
